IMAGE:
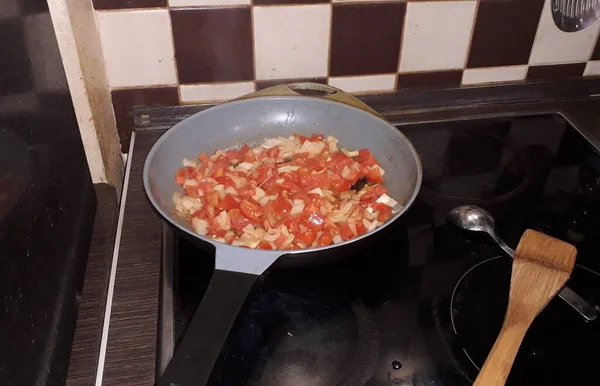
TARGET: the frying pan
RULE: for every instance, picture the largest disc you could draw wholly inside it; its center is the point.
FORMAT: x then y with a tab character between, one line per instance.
276	111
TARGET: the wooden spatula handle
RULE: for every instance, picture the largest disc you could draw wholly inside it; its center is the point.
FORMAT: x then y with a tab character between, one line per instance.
500	359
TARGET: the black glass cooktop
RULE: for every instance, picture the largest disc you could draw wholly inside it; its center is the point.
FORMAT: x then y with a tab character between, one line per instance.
423	304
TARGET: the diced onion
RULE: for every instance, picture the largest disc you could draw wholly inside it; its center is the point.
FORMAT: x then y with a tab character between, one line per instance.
188	162
318	191
271	142
221	190
350	153
297	208
332	143
223	220
258	194
244	166
190	182
387	200
288	168
231	190
337	239
346	172
200	226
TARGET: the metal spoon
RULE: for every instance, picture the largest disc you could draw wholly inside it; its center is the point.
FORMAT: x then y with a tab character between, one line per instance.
474	218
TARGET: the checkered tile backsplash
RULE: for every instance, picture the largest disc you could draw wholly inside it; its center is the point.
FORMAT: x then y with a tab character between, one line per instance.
164	52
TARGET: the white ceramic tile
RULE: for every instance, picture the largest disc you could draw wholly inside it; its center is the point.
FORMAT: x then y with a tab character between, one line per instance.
493	74
214	92
138	47
436	35
592	68
205	3
364	83
291	41
552	45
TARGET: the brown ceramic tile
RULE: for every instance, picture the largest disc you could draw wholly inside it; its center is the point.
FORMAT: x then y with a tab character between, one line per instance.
365	38
267	2
504	32
555	71
213	44
261	84
596	53
121	4
429	79
125	100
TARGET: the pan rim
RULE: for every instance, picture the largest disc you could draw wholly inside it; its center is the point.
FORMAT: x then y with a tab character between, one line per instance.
220	245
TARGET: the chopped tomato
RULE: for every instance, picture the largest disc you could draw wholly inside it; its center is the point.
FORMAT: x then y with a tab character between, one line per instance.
288	185
183	174
303	139
282	206
360	228
206	186
346	232
385	212
264	245
373	175
237	220
228	203
192	191
213	198
374	193
237	154
339	184
263	173
273	152
202	157
251	210
316	137
307	237
325	239
365	157
225	180
246	191
320	180
312	220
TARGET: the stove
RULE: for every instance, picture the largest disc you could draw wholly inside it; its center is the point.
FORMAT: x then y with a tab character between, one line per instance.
423	304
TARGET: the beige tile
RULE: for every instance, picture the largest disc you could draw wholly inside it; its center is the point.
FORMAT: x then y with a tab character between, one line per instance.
493	74
592	68
206	3
552	45
138	47
364	83
436	35
214	92
291	41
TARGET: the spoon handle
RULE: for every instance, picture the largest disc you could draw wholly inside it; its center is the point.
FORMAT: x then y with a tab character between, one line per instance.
509	251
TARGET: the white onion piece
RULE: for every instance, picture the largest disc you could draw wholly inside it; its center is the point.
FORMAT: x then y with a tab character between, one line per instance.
297	207
352	226
258	194
337	239
200	226
223	220
190	182
271	142
332	143
318	191
265	199
244	166
381	171
350	153
188	162
387	200
231	190
248	228
346	172
272	235
288	168
221	190
190	203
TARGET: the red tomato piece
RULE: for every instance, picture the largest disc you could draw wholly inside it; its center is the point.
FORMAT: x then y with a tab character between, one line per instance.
238	221
316	137
360	227
183	174
202	157
192	191
374	193
366	158
212	197
291	224
385	212
373	175
264	245
251	210
325	239
307	237
225	180
273	152
288	185
228	203
313	181
263	172
270	186
303	139
246	191
345	232
312	220
339	184
282	206
237	154
206	186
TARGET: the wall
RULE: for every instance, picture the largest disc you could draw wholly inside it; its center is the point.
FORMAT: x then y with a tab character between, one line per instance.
160	52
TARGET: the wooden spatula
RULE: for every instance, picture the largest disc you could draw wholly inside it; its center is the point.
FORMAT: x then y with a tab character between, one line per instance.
541	266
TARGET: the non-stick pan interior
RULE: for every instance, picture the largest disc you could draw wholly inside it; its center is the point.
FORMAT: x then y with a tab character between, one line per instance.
248	121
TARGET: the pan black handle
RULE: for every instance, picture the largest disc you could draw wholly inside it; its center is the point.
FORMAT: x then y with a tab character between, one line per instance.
200	348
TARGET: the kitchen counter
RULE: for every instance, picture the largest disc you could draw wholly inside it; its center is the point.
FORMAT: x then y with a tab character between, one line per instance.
127	343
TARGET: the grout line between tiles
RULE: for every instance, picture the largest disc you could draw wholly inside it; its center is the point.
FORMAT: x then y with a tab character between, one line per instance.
123	10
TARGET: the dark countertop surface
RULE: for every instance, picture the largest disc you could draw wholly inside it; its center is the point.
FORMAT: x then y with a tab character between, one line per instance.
132	338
